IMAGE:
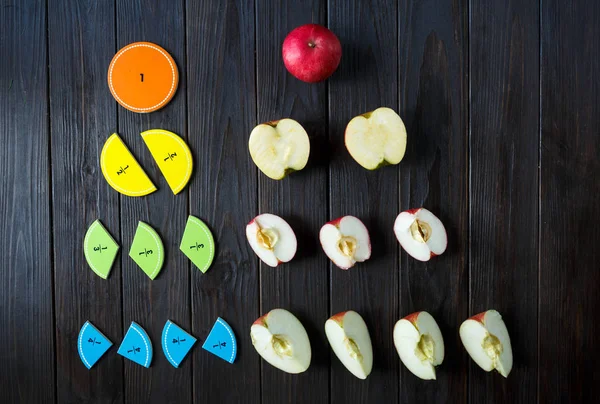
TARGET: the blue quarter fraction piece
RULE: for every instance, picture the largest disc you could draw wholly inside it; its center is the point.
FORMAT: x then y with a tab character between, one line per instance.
136	346
176	343
221	341
91	344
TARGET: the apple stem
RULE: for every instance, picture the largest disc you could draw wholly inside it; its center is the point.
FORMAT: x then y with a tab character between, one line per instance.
312	44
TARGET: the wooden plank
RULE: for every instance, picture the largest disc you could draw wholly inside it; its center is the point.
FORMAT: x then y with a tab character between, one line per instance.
434	174
366	79
152	303
82	116
504	141
26	317
504	199
570	202
222	112
301	199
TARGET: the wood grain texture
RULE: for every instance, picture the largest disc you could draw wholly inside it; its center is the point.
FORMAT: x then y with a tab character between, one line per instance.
152	303
366	79
570	202
222	112
433	86
504	144
301	199
27	371
83	115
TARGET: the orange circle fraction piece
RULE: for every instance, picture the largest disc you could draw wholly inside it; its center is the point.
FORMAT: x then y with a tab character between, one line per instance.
143	77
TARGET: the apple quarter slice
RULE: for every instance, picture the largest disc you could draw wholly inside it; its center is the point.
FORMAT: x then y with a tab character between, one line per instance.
420	344
376	139
349	338
279	147
280	339
421	234
346	241
272	239
486	339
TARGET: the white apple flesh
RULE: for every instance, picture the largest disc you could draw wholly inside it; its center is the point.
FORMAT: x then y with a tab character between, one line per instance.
376	139
272	239
421	234
346	241
280	339
486	339
349	338
420	344
279	147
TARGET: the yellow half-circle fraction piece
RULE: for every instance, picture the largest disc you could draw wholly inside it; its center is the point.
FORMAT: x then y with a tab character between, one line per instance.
172	155
121	169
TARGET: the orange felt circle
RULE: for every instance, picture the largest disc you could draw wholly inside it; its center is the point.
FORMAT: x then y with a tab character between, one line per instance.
143	77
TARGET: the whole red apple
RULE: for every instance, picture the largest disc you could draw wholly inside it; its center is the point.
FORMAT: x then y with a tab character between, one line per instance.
311	53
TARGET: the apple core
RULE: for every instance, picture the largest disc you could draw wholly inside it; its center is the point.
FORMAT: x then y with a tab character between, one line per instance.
425	348
492	347
267	238
347	245
420	231
281	346
353	349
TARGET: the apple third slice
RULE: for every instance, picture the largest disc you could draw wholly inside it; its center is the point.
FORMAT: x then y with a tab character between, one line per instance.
345	241
172	155
272	239
420	344
421	234
100	249
376	139
280	339
486	339
122	171
198	243
279	147
147	250
349	338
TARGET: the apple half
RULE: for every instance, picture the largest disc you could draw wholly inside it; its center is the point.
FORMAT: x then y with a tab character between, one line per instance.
345	241
272	239
420	344
280	339
349	338
486	339
279	147
376	138
421	234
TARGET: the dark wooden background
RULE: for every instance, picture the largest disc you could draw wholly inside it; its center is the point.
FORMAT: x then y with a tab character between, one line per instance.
501	100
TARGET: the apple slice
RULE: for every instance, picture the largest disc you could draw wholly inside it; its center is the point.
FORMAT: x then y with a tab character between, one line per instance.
486	339
272	239
346	241
376	138
280	338
421	234
349	338
420	344
279	147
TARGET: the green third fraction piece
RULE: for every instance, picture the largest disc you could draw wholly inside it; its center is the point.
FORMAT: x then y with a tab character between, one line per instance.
147	250
198	243
100	249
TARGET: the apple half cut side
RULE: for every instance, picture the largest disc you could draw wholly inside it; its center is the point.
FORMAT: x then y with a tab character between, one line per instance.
420	344
280	339
421	234
376	139
346	241
486	339
349	338
272	239
279	147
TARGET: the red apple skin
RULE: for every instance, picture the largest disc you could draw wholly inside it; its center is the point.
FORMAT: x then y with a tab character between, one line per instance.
339	318
311	53
412	317
261	320
479	317
413	211
336	222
